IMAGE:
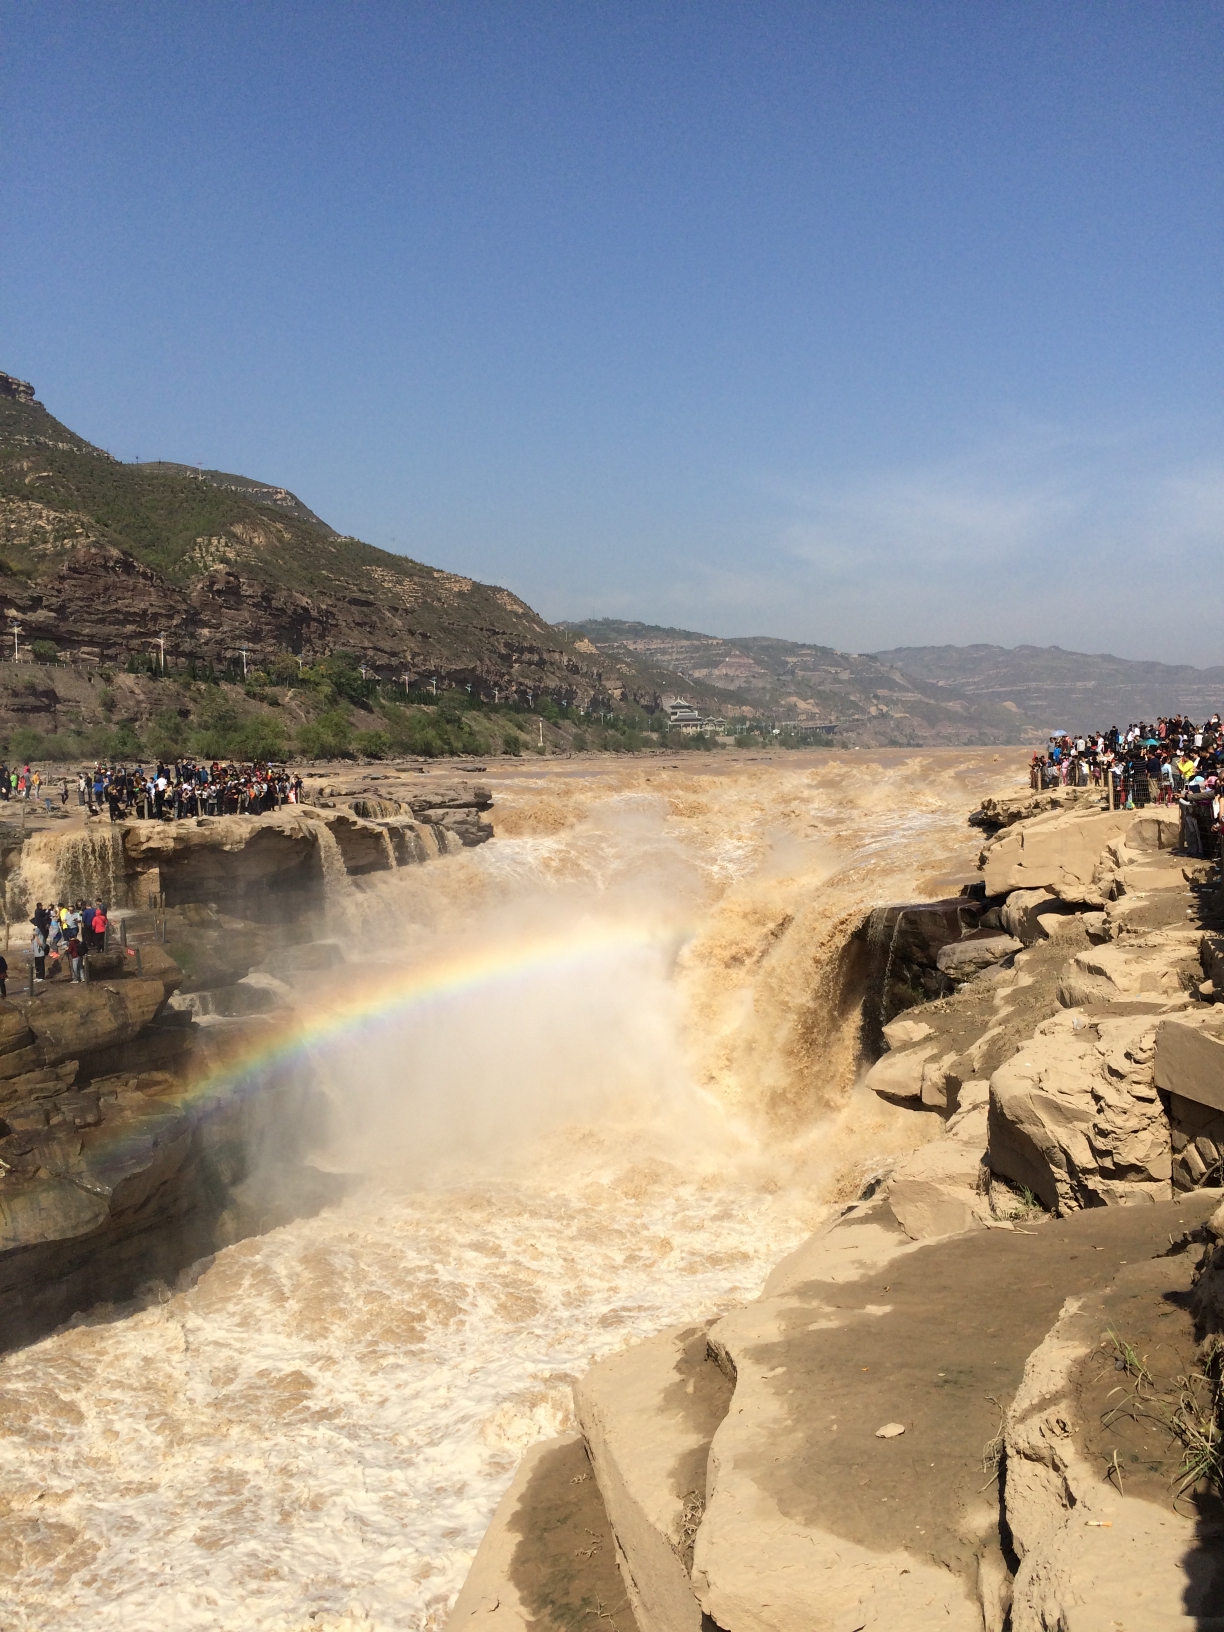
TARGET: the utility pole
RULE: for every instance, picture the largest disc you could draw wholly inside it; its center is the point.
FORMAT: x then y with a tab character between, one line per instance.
161	641
541	733
244	663
17	630
434	684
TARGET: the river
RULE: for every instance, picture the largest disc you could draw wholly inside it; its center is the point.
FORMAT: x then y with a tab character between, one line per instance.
619	1083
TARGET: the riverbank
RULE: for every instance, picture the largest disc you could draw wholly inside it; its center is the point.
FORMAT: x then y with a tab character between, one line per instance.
913	1427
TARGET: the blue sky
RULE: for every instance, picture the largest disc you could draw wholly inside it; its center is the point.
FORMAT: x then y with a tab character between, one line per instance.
866	323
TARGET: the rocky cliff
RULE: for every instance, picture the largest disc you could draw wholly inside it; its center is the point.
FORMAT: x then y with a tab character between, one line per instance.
103	559
987	1395
129	1148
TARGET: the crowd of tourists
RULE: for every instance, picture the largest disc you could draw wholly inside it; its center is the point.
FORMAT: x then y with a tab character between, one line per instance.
63	933
187	788
1168	761
161	791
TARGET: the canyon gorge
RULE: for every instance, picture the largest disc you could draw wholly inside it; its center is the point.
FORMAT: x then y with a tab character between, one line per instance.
570	1145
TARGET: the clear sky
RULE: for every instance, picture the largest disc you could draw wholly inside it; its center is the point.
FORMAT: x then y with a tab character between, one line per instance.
872	322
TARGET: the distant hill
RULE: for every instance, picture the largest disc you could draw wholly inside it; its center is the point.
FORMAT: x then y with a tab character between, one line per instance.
871	702
1074	691
101	559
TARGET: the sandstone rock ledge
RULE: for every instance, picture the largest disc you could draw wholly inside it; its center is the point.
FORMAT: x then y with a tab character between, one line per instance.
125	1153
918	1424
268	866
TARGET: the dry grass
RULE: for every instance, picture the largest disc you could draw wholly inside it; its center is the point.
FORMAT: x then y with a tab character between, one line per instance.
1190	1410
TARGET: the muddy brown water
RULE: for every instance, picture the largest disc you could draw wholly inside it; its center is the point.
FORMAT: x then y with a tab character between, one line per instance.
633	1096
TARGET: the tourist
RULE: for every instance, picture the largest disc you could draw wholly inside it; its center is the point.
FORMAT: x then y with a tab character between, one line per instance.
38	951
76	958
3	976
99	926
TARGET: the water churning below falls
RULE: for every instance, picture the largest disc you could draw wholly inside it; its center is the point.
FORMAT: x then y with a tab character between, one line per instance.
555	1154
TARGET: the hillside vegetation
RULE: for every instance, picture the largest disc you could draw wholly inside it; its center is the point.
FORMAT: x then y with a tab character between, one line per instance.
101	559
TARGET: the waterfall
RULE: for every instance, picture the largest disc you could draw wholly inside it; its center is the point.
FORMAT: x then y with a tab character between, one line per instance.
337	886
79	865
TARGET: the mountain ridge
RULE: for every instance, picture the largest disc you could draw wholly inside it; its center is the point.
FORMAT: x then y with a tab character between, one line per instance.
1075	691
104	560
808	685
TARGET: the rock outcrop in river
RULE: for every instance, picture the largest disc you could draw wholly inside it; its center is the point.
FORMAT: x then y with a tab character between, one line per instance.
136	1136
986	1395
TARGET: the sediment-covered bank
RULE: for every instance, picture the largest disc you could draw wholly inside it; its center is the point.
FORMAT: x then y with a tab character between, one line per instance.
987	1393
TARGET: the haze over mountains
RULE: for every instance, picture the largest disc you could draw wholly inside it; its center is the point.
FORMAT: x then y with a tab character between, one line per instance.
103	559
1076	690
869	702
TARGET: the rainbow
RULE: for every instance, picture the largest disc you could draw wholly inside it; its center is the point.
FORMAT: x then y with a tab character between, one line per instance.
388	997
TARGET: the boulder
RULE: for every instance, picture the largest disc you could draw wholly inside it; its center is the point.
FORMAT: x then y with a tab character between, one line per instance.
465	825
434	797
1075	1116
364	846
1059	853
126	1163
901	1033
1004	810
547	1562
44	1082
1189	1058
14	1033
72	1022
1021	910
649	1415
374	810
938	1191
898	1074
961	960
256	864
39	1210
1161	968
407	841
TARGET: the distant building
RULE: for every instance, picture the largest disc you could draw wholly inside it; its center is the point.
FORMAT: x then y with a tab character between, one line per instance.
690	722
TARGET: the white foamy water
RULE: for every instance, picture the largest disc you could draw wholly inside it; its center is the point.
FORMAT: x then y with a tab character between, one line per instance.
311	1433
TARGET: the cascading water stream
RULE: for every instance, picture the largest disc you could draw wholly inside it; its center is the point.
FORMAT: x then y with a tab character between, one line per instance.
633	1091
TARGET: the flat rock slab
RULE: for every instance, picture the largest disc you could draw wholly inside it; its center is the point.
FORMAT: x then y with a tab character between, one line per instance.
649	1414
547	1562
814	1524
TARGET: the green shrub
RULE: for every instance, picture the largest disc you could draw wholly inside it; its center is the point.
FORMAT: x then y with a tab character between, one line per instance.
328	737
166	734
373	744
286	670
258	737
26	744
44	651
511	743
